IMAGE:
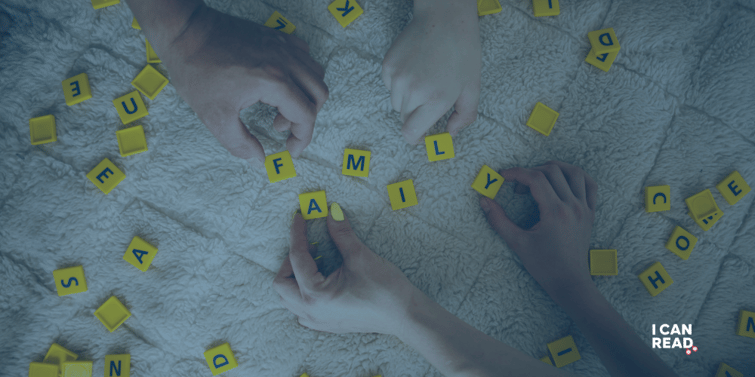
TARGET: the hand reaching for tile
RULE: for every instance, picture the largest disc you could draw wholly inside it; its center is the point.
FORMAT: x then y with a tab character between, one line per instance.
434	64
221	64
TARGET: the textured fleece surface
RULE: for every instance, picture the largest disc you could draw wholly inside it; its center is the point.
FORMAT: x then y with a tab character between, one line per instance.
676	108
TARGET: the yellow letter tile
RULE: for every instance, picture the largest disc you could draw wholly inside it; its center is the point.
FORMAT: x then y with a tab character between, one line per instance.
140	253
70	280
439	147
151	55
604	262
118	365
76	369
97	4
130	107
727	371
603	41
345	11
681	242
402	194
278	22
702	204
564	351
112	313
106	176
655	279
220	359
657	198
356	163
58	355
42	130
76	89
746	326
542	119
131	140
486	7
707	222
733	188
488	182
279	166
150	82
313	205
135	24
43	370
604	61
545	8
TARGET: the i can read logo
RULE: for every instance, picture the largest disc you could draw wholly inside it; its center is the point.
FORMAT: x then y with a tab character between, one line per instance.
667	340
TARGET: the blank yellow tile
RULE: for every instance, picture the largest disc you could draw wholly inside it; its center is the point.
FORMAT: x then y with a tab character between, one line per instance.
220	359
140	253
681	242
112	313
733	188
43	370
97	4
57	355
542	119
439	147
542	8
564	351
42	130
150	82
707	222
135	24
151	55
488	182
603	41
486	7
70	280
603	61
131	140
702	204
130	107
655	279
76	369
356	163
279	166
402	194
278	22
604	262
657	198
118	365
345	11
106	176
313	205
746	325
727	371
76	89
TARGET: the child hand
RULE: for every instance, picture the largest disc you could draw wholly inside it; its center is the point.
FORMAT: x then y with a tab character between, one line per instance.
555	249
366	294
434	64
222	64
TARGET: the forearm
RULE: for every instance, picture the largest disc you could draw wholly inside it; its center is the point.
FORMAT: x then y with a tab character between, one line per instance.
620	349
458	349
162	21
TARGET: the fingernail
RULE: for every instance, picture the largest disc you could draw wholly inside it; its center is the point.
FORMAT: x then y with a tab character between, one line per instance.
335	211
485	204
294	215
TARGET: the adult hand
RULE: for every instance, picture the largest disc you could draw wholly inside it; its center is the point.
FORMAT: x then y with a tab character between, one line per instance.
555	249
366	294
434	64
221	64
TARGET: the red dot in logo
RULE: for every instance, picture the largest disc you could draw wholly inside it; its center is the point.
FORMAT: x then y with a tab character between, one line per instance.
694	348
688	352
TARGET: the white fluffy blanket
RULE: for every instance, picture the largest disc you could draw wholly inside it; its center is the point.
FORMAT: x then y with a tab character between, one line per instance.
677	108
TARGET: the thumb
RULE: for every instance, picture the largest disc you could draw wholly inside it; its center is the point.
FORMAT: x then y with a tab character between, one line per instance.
235	137
510	232
465	111
340	231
